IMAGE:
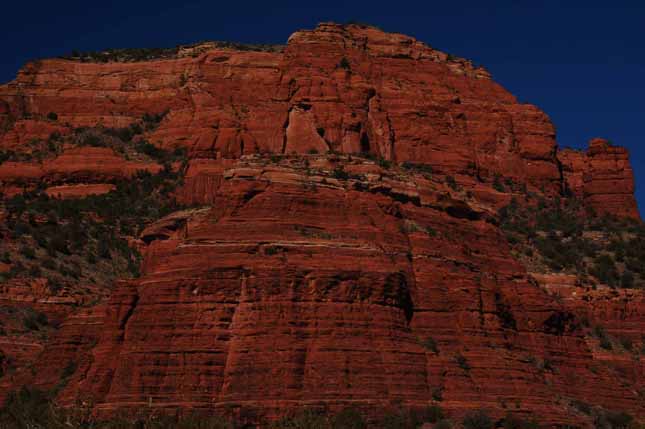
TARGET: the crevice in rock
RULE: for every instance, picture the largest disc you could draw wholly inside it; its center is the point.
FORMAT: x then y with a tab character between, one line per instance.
365	143
402	198
249	195
284	130
558	163
396	288
364	139
392	137
126	318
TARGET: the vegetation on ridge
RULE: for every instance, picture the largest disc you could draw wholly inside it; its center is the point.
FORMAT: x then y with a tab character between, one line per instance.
36	409
124	55
564	236
70	241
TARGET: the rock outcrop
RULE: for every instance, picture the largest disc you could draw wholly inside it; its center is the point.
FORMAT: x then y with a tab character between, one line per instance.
603	177
345	88
338	242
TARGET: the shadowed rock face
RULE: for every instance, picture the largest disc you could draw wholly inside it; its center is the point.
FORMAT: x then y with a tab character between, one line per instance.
294	285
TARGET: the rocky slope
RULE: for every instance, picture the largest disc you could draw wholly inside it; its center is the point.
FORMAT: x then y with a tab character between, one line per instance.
335	239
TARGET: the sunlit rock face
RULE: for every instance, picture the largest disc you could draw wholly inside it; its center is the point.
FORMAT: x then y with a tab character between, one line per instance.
300	274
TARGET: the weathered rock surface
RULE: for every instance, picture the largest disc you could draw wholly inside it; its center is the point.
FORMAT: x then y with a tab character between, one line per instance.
78	171
299	289
603	177
79	191
328	280
348	88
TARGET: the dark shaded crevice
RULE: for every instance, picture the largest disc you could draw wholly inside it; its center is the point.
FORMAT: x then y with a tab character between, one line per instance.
126	318
365	143
284	128
402	198
561	322
392	137
396	289
250	194
463	211
364	139
558	163
504	313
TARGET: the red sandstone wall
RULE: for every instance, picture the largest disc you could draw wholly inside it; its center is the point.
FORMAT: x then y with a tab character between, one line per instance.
288	290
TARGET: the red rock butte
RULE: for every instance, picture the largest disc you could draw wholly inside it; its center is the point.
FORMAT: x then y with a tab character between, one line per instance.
290	289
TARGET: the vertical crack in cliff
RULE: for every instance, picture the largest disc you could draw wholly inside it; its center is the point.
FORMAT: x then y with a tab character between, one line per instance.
480	302
284	128
364	130
231	360
392	136
558	163
126	318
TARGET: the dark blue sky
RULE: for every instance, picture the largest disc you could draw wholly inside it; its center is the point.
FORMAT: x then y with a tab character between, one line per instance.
583	62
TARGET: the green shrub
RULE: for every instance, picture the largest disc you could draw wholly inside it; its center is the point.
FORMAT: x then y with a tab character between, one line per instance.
69	369
35	271
421	168
627	279
340	174
53	285
308	419
462	362
104	250
443	424
384	163
582	406
605	341
270	250
613	420
52	116
152	120
31	408
437	394
605	270
91	258
92	140
34	320
348	418
344	64
477	420
28	252
27	408
514	422
430	344
58	243
396	420
497	184
450	181
627	343
20	228
431	414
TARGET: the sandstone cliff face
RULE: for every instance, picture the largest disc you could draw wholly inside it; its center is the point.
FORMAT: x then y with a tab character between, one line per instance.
602	176
308	277
344	88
